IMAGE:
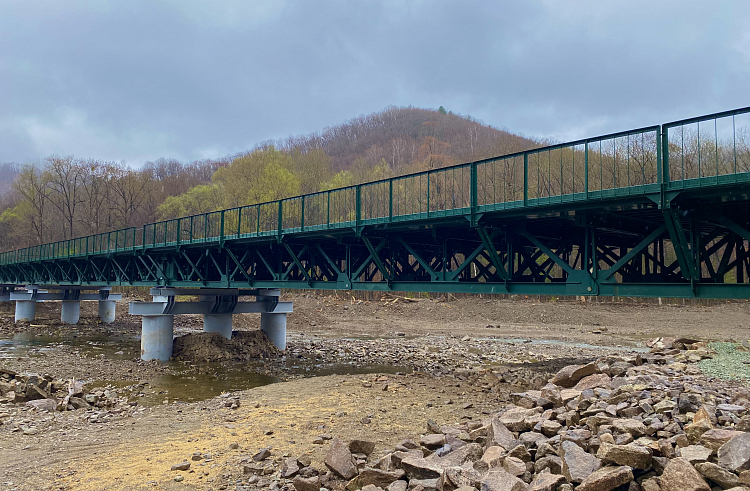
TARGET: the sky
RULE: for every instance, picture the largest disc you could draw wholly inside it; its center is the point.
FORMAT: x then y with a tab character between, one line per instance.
137	80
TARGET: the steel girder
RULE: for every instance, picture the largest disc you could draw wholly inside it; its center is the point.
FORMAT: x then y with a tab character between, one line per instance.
646	251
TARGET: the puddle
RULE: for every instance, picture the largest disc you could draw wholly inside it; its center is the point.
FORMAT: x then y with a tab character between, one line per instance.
204	381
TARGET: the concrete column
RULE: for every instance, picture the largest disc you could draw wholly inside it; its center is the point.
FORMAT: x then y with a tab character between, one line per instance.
274	325
221	323
107	311
156	337
25	310
70	311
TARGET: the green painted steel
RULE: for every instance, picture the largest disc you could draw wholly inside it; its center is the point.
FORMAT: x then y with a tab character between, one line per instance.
499	205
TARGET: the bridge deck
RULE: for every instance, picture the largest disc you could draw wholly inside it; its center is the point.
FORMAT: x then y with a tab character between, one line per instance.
661	211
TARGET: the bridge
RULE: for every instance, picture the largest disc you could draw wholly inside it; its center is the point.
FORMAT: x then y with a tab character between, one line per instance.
660	211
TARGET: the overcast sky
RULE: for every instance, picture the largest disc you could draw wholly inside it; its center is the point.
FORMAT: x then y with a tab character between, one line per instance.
137	80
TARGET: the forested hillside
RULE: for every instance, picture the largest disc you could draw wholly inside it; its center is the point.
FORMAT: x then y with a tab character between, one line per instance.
72	196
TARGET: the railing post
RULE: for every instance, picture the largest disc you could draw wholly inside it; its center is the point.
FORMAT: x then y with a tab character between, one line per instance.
221	232
390	200
281	217
328	209
179	231
239	221
357	208
302	218
473	192
664	160
586	168
428	196
525	179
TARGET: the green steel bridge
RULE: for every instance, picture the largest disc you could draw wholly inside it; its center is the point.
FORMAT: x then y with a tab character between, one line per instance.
656	211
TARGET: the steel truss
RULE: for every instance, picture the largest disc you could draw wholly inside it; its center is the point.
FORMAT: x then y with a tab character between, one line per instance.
630	248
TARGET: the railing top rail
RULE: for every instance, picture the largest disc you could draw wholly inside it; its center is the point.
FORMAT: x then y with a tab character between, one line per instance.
707	117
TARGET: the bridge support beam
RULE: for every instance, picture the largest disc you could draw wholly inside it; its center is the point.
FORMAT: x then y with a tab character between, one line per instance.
70	311
271	323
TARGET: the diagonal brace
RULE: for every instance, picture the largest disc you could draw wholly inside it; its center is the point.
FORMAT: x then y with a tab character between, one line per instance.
634	251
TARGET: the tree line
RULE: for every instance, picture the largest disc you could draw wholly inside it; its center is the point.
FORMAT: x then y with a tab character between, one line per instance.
68	197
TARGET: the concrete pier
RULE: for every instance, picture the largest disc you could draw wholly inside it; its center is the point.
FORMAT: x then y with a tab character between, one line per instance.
157	332
217	305
70	311
274	325
107	311
221	323
25	310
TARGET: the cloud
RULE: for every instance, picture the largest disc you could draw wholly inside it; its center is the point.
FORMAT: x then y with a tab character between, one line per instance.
187	79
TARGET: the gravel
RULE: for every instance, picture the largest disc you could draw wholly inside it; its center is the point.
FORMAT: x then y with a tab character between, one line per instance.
731	362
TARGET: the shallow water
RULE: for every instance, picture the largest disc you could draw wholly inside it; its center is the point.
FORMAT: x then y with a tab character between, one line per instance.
207	381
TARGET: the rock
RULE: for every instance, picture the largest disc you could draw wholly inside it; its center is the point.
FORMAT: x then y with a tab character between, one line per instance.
420	468
361	446
377	477
592	381
48	405
735	454
514	466
632	426
695	453
550	428
499	480
545	481
745	478
606	479
290	468
553	463
718	474
514	418
494	456
433	441
499	434
263	454
576	463
306	484
680	475
182	466
371	487
650	484
462	476
398	486
632	455
471	452
717	437
570	375
697	428
339	459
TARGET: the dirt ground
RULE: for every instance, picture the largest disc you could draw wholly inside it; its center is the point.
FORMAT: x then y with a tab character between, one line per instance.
136	452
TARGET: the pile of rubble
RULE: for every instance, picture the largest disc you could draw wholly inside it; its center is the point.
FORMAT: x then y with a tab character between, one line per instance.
47	394
650	423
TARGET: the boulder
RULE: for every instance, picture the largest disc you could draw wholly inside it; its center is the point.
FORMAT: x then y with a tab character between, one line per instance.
377	477
697	428
499	435
433	441
632	455
592	381
576	463
680	475
718	474
306	484
499	480
606	479
717	437
544	481
398	486
570	375
339	459
494	456
463	476
514	466
695	453
361	446
421	468
290	468
735	454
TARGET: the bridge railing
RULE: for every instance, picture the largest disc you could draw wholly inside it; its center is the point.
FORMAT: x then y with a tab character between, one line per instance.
712	149
707	150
